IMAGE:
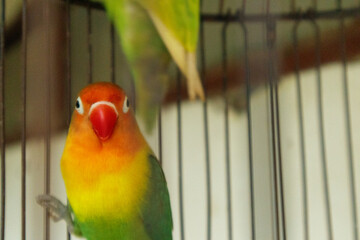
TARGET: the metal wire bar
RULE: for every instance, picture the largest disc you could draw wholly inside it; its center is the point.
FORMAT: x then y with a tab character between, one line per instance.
273	213
321	129
2	119
180	170
292	5
243	7
112	53
47	79
301	133
314	4
68	59
226	114
68	70
89	42
23	118
286	16
160	136
299	15
221	6
206	131
348	128
273	193
133	94
275	133
249	126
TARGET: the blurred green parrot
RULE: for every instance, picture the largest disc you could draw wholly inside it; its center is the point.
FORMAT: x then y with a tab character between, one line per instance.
151	33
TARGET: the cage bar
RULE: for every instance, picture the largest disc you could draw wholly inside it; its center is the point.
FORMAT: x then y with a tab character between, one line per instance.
160	137
321	130
47	116
285	16
68	59
2	119
88	40
226	129
301	134
206	132
180	165
279	205
221	6
112	53
68	76
23	118
348	129
249	125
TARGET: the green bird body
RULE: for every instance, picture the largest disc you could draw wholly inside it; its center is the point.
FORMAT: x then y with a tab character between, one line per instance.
115	186
151	225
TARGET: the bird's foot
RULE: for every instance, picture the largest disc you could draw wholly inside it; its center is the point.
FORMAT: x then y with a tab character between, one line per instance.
56	209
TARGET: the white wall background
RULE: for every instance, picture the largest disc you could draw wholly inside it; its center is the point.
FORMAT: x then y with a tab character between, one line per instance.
194	179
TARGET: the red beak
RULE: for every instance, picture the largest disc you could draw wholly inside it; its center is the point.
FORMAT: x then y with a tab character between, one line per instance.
103	119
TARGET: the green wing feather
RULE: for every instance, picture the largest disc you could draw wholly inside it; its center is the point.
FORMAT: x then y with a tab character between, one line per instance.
156	211
146	53
181	17
177	22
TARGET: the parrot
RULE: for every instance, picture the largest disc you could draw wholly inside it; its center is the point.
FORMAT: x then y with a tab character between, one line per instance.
151	33
115	186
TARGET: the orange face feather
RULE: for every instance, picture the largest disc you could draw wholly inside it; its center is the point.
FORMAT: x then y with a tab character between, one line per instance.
105	153
125	136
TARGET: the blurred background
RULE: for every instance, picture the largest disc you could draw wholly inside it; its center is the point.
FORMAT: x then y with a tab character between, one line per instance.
273	153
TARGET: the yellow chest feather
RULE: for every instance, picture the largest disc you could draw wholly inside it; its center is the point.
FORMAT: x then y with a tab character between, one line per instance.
104	185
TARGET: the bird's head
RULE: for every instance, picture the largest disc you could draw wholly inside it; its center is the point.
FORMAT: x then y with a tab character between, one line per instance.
102	110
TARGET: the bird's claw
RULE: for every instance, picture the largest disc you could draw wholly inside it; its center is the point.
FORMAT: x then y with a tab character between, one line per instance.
56	209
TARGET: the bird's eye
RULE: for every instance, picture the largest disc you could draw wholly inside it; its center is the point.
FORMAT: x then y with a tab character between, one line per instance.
126	105
79	106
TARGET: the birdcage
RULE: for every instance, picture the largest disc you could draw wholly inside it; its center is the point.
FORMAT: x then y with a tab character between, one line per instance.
271	154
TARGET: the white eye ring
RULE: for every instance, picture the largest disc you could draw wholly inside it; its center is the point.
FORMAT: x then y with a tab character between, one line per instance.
126	105
79	106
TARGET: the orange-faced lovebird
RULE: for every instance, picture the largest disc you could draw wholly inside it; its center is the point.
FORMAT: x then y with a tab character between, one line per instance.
116	188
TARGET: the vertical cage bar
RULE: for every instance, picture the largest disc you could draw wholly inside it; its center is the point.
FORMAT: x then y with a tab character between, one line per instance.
2	119
112	53
226	114
89	42
206	131
180	170
321	125
68	70
348	127
292	5
221	6
243	7
272	153
47	79
249	126
275	132
68	59
274	212
23	118
301	134
160	136
322	132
